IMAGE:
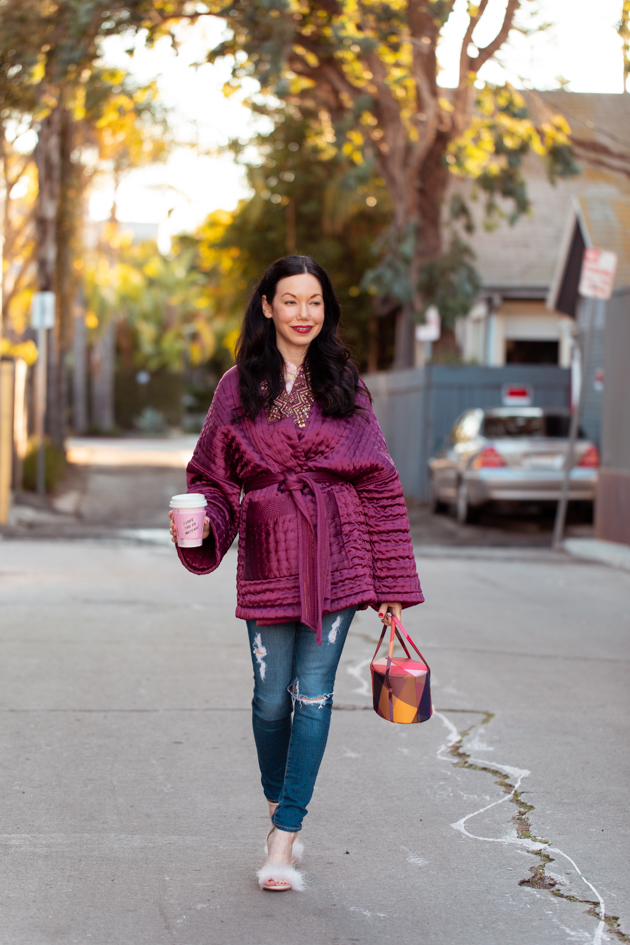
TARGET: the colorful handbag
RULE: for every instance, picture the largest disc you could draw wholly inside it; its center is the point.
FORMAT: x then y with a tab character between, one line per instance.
401	688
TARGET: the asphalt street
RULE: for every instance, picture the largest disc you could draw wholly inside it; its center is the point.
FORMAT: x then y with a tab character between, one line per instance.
132	811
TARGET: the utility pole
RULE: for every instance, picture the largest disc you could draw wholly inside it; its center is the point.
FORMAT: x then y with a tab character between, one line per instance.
597	279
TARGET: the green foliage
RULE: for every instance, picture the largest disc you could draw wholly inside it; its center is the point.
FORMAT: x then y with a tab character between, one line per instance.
160	302
491	152
389	279
302	203
55	466
451	282
364	77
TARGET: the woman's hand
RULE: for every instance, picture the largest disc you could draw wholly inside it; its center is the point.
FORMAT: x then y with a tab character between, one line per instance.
386	611
206	527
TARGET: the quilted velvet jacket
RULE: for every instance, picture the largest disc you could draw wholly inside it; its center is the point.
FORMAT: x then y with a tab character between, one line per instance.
322	523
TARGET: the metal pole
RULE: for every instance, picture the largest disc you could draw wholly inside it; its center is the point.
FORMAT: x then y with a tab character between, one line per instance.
40	409
561	511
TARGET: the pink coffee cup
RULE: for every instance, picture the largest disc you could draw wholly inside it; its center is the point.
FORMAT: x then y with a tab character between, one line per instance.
189	511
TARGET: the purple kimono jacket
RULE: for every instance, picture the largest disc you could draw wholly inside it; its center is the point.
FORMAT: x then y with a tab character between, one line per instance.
322	524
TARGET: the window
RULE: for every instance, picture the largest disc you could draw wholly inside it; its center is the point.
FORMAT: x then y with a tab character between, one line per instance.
554	425
531	352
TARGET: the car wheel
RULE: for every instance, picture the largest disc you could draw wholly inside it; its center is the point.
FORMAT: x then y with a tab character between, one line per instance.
466	514
436	506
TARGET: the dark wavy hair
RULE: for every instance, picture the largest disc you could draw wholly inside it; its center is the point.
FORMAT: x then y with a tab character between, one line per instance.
334	378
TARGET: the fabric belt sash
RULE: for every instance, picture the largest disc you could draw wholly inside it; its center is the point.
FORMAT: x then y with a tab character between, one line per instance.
312	546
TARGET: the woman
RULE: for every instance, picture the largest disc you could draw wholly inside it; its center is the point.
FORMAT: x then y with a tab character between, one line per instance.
323	529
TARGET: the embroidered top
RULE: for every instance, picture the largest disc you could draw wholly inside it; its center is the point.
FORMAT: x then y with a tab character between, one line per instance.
295	400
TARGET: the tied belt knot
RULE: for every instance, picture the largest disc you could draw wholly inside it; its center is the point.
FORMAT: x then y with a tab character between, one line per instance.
312	545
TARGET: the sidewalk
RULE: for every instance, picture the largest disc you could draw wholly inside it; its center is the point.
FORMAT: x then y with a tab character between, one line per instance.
605	552
132	812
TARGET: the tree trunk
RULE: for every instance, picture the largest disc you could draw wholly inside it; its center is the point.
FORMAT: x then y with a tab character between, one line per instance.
102	362
404	345
48	161
79	367
424	206
372	346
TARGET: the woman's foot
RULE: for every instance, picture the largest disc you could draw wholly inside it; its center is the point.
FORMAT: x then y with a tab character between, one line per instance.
278	873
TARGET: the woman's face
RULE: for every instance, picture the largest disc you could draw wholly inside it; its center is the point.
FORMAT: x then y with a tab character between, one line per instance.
297	311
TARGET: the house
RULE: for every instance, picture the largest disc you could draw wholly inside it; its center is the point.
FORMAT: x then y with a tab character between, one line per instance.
518	319
602	222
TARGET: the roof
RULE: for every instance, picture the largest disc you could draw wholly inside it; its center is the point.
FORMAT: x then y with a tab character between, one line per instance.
606	225
520	260
592	221
600	125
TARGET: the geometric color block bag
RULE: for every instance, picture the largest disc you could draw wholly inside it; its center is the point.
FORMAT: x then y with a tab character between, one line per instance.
401	688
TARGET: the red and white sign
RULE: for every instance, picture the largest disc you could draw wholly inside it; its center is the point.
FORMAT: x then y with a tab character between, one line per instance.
517	395
597	278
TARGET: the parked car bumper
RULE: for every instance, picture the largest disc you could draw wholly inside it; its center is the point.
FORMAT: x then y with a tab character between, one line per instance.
516	485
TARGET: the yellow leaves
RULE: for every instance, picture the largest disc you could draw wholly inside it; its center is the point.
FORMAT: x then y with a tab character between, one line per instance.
221	218
230	87
230	340
355	137
39	70
204	345
91	319
309	57
24	350
77	103
445	105
299	83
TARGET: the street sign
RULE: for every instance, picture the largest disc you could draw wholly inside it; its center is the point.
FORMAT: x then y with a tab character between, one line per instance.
43	310
597	277
517	395
432	328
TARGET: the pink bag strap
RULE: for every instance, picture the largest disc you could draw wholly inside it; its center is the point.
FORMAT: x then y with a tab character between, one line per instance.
395	627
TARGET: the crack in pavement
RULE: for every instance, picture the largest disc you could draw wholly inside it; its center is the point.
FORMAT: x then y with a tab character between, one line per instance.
510	778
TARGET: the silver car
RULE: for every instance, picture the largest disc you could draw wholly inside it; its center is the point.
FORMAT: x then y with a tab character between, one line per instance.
509	454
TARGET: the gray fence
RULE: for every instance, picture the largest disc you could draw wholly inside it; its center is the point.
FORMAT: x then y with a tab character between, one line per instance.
417	408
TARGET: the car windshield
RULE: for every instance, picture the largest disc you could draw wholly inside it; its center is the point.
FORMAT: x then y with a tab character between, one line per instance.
548	425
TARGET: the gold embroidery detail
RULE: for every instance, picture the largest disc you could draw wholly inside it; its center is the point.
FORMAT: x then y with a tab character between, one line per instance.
296	404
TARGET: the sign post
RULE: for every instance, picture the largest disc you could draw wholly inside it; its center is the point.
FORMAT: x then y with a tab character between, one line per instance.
42	318
429	332
597	280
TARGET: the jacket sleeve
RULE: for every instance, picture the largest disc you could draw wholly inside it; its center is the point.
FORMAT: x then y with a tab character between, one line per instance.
212	471
381	495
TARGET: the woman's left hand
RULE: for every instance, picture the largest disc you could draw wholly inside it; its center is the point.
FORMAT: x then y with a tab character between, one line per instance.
386	611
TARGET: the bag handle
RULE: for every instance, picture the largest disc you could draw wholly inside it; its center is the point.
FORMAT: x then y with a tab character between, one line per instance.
395	626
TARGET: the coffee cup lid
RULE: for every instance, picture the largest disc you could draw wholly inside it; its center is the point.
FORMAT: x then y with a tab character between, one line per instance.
188	500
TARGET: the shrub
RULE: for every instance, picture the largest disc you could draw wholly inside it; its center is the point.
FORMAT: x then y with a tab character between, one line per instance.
55	466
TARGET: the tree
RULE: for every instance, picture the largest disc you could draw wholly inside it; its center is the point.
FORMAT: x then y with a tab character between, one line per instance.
129	129
47	54
342	211
364	73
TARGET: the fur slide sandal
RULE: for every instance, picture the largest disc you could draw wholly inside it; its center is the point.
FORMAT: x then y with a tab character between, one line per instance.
280	878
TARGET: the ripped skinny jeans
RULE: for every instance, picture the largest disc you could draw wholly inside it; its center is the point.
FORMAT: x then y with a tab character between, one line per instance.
293	689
